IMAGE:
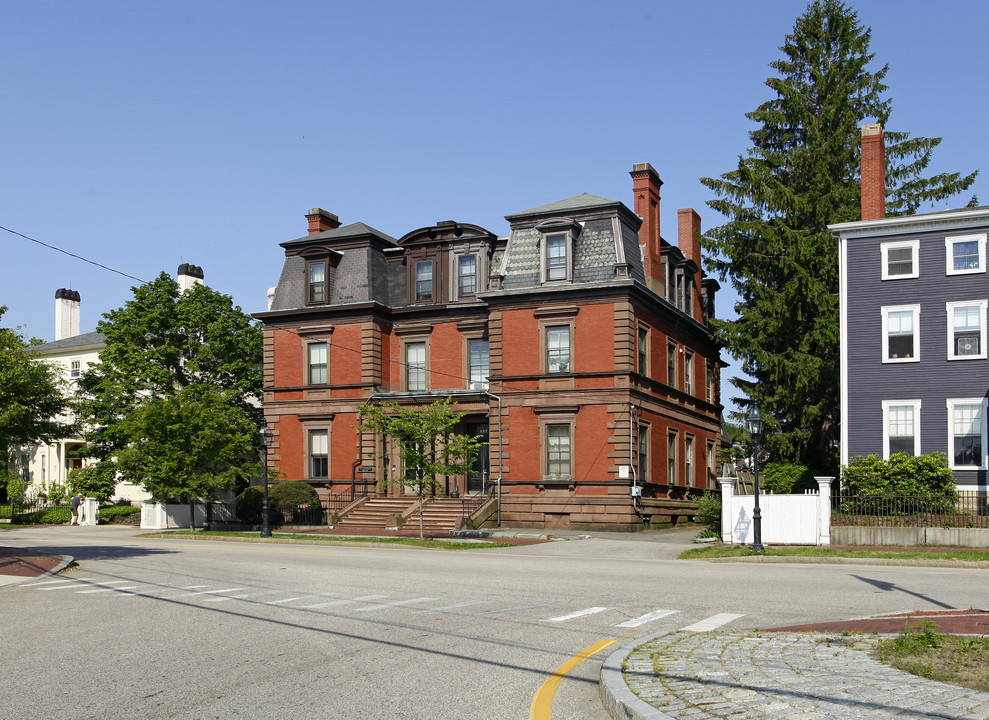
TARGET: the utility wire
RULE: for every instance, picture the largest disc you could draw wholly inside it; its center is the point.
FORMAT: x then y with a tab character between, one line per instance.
78	257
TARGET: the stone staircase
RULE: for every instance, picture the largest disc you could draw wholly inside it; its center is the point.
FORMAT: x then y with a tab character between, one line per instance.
375	515
439	516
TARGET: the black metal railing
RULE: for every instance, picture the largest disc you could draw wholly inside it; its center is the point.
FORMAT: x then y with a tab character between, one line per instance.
966	508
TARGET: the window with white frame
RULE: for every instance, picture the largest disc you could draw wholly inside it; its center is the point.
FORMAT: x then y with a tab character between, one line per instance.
556	264
558	349
967	433
319	466
317	363
75	368
642	348
900	260
688	372
688	461
901	333
643	459
671	457
966	330
901	427
965	254
415	366
478	363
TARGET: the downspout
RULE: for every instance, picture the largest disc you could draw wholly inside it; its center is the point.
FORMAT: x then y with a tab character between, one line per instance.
631	455
501	456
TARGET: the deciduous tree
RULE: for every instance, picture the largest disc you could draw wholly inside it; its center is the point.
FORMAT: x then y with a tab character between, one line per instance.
425	442
801	174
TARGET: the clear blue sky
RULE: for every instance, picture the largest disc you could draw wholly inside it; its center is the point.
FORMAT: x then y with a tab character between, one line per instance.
145	135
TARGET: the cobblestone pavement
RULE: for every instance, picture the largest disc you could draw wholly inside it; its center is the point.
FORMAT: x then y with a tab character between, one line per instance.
785	675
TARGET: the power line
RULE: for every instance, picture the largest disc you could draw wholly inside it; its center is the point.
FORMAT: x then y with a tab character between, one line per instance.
77	257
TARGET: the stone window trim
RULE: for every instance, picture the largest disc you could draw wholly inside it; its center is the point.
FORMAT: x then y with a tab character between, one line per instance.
558	317
672	350
894	266
967	342
894	327
470	333
689	466
556	250
960	405
688	371
480	272
643	451
892	416
955	263
314	335
672	456
310	427
407	343
317	373
558	416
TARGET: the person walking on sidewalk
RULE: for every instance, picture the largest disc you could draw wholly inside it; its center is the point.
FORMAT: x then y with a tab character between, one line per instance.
75	509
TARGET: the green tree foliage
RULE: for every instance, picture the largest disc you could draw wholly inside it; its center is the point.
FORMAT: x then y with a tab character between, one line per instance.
31	396
189	361
425	443
188	445
250	505
98	481
801	174
786	478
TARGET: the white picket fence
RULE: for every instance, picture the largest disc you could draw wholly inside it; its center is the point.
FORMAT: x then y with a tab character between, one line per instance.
786	519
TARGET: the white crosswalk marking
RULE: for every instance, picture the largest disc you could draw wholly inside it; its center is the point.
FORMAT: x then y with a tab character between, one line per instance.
715	621
110	589
225	598
290	599
643	619
455	606
336	603
372	608
579	613
58	582
208	592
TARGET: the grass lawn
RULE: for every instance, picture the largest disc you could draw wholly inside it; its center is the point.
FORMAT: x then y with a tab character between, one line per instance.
888	553
922	651
314	539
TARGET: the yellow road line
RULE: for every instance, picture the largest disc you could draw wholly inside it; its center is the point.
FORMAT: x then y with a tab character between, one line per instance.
542	701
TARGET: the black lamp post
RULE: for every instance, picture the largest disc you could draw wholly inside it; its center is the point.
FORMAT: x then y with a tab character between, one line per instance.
755	426
265	434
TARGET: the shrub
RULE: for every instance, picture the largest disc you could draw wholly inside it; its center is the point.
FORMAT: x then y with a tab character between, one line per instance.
119	514
15	488
785	478
923	476
49	516
709	510
290	494
249	505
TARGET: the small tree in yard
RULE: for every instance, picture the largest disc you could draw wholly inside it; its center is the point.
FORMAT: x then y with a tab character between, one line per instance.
426	443
874	482
187	446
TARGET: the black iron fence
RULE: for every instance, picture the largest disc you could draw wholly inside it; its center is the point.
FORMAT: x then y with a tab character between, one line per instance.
968	508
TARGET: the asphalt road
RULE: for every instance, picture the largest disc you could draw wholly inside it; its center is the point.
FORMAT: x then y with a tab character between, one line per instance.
167	628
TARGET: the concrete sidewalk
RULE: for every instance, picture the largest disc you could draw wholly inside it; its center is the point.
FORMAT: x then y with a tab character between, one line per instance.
806	672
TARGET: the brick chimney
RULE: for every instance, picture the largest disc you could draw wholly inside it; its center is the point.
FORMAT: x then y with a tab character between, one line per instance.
645	187
320	221
688	240
188	275
873	172
67	305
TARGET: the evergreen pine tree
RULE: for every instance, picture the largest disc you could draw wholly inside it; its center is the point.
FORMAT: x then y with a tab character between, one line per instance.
802	174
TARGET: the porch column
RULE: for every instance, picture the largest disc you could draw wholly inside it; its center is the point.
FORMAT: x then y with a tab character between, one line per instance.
727	496
824	509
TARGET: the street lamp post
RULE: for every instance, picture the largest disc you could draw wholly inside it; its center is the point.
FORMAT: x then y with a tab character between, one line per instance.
265	434
755	426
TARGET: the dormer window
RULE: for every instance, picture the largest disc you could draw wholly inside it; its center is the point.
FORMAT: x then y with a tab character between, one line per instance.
556	257
466	275
424	280
317	282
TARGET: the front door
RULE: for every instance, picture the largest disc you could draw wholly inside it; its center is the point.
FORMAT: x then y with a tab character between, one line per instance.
478	476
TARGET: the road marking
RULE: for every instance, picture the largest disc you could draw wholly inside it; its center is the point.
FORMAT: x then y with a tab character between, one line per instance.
715	621
335	603
643	619
59	582
73	585
109	589
207	592
455	606
399	603
285	600
579	613
542	701
241	597
102	586
509	611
